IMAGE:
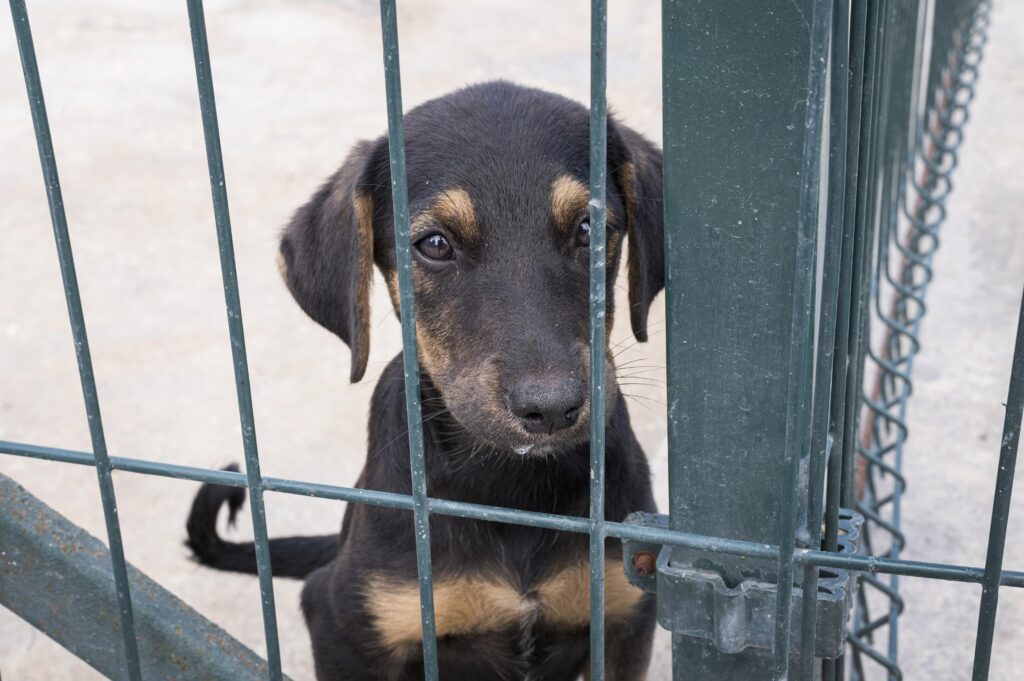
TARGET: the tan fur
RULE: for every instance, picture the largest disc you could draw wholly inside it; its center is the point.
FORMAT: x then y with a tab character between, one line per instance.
634	272
421	223
462	605
570	200
364	220
481	384
565	598
488	604
626	175
454	208
433	352
391	279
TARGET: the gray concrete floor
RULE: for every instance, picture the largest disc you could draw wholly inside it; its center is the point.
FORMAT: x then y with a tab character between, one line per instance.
297	83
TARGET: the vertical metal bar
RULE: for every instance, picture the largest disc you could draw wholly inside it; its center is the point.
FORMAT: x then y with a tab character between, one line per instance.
846	107
798	392
864	246
826	390
1000	508
866	190
598	287
852	87
843	386
731	232
403	248
236	330
48	161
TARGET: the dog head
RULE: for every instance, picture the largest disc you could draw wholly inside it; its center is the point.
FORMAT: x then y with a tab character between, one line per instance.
498	179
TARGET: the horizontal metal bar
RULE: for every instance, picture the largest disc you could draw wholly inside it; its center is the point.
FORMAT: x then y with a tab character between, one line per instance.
511	516
909	568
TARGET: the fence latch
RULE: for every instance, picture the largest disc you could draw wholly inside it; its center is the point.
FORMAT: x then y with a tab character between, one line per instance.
698	603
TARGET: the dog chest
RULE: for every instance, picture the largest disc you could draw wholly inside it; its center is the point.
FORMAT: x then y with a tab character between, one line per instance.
467	605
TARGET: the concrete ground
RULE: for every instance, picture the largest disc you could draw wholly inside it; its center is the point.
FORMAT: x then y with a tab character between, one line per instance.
297	83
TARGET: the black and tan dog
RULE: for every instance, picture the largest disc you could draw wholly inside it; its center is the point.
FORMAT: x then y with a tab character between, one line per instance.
498	177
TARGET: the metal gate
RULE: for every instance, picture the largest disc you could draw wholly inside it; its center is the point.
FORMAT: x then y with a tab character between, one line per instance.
809	147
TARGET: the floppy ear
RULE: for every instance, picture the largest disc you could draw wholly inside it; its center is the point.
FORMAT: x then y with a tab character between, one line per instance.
326	255
637	170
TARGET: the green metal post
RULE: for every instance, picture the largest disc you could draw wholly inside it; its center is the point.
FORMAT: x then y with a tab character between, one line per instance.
598	303
741	166
236	330
69	277
828	388
410	360
1001	509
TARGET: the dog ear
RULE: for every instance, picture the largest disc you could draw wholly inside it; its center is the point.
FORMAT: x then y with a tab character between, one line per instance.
326	252
636	166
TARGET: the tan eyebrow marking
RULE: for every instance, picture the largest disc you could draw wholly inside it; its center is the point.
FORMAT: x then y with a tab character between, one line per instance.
569	202
454	209
569	199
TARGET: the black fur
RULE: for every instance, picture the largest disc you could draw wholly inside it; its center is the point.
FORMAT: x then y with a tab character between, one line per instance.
290	556
514	305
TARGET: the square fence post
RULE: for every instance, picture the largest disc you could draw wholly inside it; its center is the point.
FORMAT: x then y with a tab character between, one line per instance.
742	126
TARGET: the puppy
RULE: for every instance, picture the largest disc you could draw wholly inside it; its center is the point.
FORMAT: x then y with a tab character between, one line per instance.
498	180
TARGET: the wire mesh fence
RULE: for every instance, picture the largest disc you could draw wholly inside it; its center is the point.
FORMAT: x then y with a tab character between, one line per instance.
923	138
890	81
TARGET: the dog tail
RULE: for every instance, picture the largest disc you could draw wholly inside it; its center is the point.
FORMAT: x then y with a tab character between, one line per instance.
294	557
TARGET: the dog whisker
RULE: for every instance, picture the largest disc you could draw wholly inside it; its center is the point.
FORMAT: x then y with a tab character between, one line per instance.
643	397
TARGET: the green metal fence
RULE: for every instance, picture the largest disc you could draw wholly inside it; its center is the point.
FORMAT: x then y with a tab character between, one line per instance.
925	151
856	107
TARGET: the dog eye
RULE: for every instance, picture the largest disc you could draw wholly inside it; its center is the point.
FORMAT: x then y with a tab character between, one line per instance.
583	233
435	247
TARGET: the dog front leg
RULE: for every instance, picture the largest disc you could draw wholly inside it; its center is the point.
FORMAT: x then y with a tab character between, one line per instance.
627	645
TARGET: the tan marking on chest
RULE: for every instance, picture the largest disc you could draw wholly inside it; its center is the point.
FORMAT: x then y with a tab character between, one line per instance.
565	598
462	605
486	604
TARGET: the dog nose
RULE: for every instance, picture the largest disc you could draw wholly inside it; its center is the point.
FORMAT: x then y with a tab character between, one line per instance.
547	404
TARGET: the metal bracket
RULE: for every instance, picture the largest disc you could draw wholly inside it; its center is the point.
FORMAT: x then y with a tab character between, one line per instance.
698	603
